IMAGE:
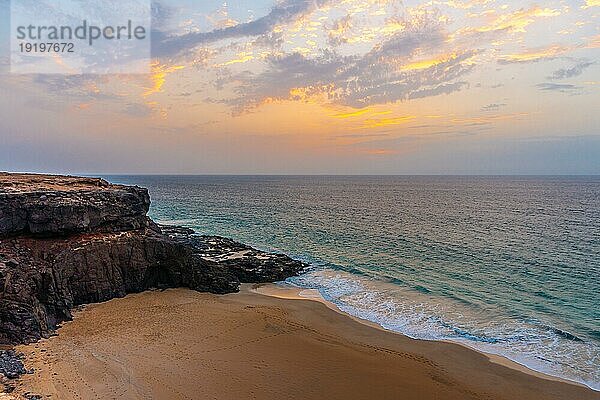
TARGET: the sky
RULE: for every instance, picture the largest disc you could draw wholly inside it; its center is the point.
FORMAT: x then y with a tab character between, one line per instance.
325	87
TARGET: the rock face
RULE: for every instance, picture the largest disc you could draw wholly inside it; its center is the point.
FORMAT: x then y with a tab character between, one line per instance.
45	205
68	241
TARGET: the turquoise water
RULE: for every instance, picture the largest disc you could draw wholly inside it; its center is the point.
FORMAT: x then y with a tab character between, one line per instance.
507	265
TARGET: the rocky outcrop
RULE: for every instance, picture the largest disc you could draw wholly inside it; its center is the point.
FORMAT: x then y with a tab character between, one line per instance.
11	364
46	205
63	246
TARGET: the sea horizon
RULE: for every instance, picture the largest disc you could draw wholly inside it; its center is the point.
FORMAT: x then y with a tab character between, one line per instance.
104	174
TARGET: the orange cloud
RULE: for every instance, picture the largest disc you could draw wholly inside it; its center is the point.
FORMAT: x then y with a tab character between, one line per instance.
424	64
376	123
591	3
514	22
360	112
158	76
533	55
352	114
242	58
310	94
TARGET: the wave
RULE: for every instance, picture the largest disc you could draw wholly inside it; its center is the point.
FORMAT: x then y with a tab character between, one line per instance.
415	312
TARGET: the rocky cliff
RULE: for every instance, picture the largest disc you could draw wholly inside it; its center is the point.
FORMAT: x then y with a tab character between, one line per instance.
67	241
60	205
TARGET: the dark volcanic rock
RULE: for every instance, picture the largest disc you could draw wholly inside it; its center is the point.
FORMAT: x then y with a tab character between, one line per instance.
11	365
246	263
43	205
43	277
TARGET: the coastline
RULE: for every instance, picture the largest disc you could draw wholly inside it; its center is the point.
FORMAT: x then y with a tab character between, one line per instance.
297	293
179	343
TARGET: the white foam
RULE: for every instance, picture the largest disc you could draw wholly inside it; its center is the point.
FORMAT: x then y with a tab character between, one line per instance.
428	317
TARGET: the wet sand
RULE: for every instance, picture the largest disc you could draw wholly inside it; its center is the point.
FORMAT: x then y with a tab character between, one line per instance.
180	344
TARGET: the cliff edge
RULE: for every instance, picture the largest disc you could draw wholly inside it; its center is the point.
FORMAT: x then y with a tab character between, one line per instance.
67	241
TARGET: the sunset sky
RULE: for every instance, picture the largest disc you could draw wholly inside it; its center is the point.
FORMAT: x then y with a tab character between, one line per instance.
349	87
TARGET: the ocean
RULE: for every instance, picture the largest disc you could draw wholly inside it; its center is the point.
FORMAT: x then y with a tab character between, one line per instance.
505	265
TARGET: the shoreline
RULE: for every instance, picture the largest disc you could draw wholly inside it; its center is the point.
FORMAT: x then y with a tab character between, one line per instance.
292	292
179	343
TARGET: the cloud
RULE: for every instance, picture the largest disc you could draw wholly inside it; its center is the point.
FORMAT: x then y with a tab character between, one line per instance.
428	63
464	5
534	55
493	107
516	21
442	88
379	122
338	29
391	71
565	73
285	12
557	87
352	114
242	57
159	75
591	3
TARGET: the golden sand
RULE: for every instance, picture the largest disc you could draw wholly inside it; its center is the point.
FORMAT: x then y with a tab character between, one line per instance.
180	344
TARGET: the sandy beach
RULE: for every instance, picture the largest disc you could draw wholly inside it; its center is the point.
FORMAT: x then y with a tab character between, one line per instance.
181	344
